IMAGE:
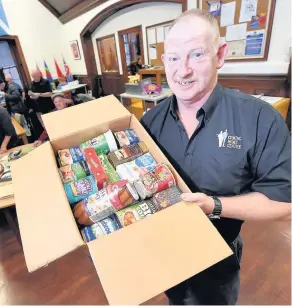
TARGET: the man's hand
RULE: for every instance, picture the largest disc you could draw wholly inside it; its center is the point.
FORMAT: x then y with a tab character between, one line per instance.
3	150
37	143
206	203
3	94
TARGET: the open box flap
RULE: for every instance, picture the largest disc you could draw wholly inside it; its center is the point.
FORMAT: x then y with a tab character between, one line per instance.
180	236
47	226
83	116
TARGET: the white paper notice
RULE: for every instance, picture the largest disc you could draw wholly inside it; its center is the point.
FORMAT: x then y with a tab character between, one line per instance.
236	32
160	34
151	36
227	14
236	48
152	53
248	10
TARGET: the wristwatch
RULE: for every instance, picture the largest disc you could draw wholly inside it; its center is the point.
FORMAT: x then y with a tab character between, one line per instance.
217	209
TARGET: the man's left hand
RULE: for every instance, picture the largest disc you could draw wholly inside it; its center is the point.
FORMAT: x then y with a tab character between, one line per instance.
206	203
3	150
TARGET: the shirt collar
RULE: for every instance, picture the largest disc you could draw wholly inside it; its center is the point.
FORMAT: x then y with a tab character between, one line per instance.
208	108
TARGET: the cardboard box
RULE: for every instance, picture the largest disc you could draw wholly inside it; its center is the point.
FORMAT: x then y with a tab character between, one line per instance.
160	251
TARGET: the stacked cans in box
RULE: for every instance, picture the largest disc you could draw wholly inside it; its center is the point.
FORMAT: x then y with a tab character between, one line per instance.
112	181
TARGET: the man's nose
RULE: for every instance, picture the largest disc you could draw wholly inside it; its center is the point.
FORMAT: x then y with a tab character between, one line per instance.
184	69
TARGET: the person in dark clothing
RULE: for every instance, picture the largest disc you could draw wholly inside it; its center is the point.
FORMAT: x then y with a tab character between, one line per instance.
8	137
136	66
41	92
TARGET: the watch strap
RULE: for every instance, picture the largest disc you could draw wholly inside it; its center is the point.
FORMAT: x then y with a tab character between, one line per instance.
217	209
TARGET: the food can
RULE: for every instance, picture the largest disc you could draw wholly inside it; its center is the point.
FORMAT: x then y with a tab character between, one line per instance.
105	202
95	167
102	144
127	137
136	212
127	153
135	169
80	189
112	175
167	197
159	179
110	224
70	156
73	172
92	232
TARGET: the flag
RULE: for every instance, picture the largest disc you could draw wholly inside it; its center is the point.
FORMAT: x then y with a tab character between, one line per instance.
4	26
59	72
69	76
48	73
39	70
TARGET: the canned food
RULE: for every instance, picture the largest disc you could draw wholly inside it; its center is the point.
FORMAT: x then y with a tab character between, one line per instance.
127	137
136	212
110	224
152	182
95	167
73	172
167	197
80	189
92	232
135	169
112	175
70	156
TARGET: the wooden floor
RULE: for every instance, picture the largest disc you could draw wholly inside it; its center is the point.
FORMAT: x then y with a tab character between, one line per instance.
266	272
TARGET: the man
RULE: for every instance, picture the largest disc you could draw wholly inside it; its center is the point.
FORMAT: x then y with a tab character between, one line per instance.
41	92
60	103
136	66
8	137
243	177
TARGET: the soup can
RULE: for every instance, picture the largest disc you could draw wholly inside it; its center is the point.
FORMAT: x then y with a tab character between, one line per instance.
70	156
136	212
80	189
167	197
127	137
159	179
73	172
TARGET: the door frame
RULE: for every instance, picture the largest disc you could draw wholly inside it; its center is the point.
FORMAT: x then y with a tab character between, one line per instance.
122	47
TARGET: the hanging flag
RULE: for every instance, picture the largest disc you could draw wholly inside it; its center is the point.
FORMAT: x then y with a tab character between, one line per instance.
39	70
48	73
4	26
69	76
60	74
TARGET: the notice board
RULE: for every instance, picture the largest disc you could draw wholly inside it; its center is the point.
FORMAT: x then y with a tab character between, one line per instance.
245	25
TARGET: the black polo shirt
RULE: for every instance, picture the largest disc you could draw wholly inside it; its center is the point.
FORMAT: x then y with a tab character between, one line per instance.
241	145
43	104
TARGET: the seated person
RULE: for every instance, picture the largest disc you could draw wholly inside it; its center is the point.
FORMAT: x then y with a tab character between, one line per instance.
60	103
8	137
136	66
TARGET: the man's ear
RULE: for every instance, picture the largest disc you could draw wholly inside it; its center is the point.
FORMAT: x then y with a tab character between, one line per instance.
221	54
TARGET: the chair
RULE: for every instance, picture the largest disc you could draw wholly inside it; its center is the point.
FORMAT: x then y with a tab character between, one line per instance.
282	107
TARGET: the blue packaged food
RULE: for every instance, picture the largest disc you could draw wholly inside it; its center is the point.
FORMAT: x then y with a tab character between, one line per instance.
92	232
70	156
110	224
127	137
80	189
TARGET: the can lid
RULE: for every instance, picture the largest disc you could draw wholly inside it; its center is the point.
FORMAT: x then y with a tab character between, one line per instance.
133	191
110	139
140	189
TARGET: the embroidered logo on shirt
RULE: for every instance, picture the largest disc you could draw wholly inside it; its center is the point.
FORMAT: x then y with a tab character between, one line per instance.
225	140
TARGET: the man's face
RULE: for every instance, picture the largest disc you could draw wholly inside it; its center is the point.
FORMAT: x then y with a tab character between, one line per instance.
60	103
2	86
36	76
191	60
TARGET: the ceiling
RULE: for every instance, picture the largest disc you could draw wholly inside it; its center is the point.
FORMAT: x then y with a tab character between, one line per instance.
63	6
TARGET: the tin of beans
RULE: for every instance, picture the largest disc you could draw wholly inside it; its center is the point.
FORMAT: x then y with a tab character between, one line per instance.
136	212
167	197
159	179
73	172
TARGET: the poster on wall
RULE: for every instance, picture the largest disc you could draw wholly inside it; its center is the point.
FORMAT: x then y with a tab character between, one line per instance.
4	27
75	49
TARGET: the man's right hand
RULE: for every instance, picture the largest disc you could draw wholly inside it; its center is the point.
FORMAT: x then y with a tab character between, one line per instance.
37	143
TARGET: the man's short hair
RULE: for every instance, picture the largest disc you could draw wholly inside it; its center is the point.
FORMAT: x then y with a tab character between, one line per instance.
205	16
58	94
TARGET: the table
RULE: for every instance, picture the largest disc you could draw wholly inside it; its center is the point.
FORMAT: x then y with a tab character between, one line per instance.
281	104
7	203
152	98
71	88
20	131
